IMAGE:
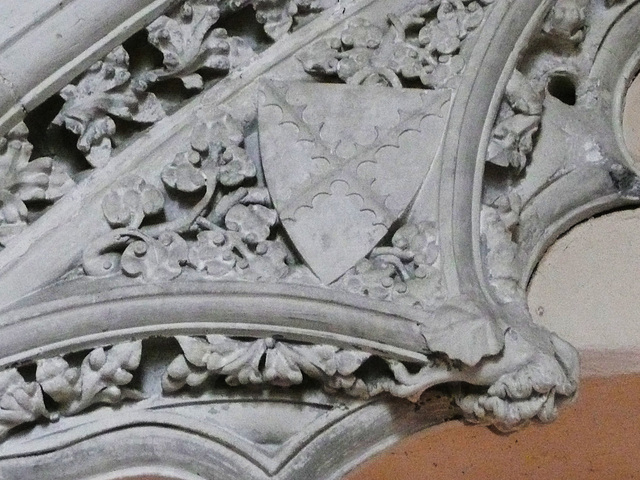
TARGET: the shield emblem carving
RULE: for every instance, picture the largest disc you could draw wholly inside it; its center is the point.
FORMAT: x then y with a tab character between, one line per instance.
343	163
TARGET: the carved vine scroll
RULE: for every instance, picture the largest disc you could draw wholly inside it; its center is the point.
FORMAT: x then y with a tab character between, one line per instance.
311	207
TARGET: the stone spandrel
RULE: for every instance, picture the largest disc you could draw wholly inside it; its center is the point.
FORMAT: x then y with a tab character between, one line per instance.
265	241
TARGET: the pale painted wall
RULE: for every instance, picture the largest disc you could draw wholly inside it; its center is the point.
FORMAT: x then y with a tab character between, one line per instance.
587	289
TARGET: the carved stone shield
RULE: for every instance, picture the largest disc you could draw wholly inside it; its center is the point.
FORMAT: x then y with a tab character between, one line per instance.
343	163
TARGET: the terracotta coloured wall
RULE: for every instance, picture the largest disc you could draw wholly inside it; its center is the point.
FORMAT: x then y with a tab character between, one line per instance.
598	438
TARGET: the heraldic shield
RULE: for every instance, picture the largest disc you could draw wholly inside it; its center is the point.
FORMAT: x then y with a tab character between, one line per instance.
343	163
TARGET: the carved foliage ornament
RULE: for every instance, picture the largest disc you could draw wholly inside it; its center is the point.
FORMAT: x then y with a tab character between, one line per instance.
333	193
101	378
109	92
104	374
370	54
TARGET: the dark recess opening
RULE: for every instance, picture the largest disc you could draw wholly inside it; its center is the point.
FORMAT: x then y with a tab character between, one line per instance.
563	88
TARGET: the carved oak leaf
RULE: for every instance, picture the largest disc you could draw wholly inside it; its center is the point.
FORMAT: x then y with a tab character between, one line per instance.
155	259
189	43
100	378
323	57
20	401
130	201
440	37
464	333
253	222
286	365
58	379
360	33
278	15
23	181
189	368
105	90
371	278
419	241
238	361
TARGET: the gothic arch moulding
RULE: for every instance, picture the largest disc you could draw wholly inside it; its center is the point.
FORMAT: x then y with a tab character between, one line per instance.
276	236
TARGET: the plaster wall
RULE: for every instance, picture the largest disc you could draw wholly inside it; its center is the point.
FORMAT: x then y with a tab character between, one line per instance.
586	290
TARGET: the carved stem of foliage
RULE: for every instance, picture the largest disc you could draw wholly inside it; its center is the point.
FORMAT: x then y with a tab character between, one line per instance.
264	361
184	223
101	378
408	271
104	92
23	181
136	254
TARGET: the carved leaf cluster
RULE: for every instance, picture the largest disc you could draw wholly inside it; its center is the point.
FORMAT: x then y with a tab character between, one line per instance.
499	223
532	390
229	232
371	54
521	376
189	43
407	271
20	401
279	16
24	181
104	92
101	378
260	362
512	138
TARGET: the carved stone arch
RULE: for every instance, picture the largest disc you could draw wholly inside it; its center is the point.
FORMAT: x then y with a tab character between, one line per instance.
249	250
